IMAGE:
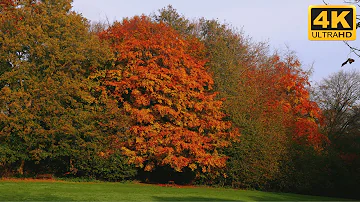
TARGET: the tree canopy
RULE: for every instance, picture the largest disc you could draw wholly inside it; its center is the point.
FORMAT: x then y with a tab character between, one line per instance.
161	81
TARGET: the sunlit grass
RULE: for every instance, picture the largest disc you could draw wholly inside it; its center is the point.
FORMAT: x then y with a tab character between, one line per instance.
11	190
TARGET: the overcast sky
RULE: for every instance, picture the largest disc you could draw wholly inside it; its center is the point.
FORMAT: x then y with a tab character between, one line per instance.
283	23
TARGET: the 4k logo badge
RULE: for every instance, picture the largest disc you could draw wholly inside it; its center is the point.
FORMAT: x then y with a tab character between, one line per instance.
330	22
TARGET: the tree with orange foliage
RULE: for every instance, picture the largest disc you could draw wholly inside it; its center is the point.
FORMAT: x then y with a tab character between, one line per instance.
159	78
285	89
266	97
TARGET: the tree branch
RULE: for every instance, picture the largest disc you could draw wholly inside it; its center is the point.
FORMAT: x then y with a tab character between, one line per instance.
354	50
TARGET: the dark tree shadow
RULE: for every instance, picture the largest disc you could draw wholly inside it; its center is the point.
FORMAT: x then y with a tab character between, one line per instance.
188	198
35	197
276	197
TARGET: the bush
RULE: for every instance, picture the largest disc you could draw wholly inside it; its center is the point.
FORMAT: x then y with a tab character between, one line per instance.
114	167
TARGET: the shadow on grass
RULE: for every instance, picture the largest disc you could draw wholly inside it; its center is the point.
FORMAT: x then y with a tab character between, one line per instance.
34	197
289	197
188	198
276	197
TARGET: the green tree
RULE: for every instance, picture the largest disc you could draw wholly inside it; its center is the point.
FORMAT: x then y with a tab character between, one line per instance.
50	112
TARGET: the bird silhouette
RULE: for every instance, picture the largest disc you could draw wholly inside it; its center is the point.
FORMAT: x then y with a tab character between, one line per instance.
350	60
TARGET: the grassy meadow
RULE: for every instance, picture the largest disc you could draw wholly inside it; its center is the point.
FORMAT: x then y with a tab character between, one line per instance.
46	190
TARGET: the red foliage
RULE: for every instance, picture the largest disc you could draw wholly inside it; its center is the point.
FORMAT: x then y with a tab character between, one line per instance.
160	80
7	3
283	89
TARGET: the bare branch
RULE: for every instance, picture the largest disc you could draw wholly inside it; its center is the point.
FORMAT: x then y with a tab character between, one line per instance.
354	50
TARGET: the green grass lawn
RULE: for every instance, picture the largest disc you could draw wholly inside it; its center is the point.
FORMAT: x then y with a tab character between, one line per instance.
102	191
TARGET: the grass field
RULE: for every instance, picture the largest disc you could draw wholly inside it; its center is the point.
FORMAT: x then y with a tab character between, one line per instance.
23	190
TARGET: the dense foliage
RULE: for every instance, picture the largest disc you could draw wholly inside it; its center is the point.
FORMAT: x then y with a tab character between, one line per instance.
162	98
50	117
266	97
160	80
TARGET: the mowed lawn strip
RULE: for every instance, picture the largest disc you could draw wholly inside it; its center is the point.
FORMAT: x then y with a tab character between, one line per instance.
83	191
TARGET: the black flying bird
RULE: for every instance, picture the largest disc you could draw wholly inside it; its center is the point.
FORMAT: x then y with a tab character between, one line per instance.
348	60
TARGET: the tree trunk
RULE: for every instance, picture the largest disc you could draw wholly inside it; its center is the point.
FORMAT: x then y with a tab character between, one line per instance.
21	167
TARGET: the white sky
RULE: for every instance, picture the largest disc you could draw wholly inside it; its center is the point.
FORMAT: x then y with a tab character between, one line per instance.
280	22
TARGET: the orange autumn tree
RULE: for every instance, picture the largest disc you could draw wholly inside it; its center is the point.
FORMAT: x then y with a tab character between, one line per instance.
285	94
160	80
